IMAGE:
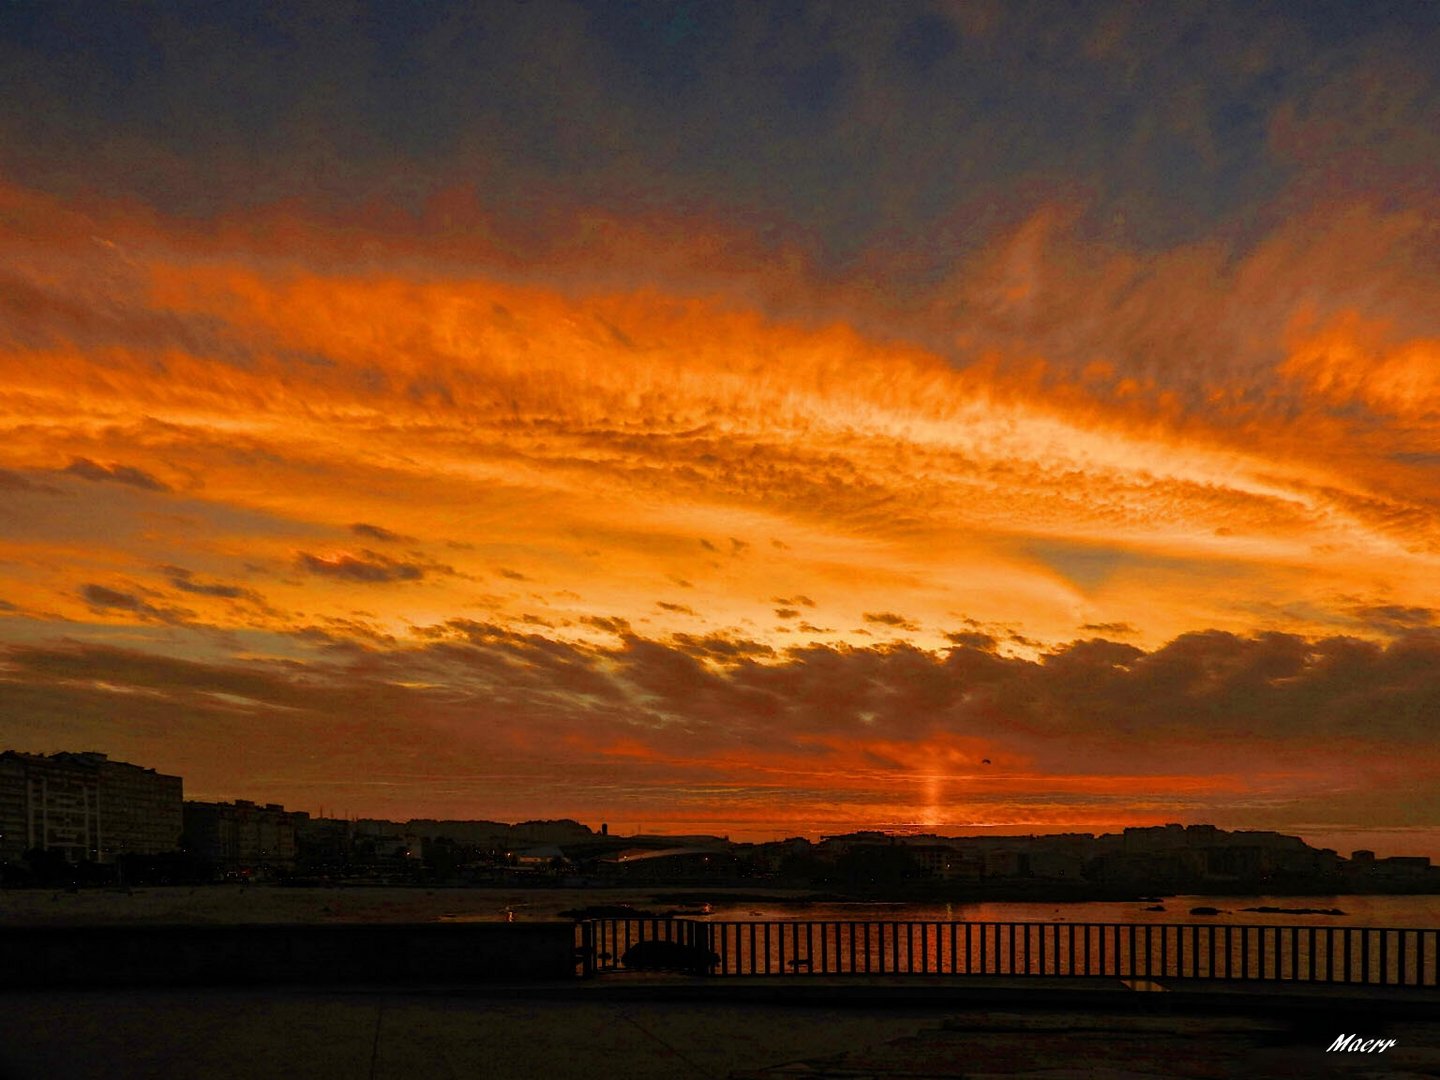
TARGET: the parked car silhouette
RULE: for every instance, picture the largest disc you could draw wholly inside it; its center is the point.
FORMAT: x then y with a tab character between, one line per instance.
668	956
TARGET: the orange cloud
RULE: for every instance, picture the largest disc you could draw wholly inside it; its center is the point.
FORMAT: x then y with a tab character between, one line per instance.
202	429
1352	359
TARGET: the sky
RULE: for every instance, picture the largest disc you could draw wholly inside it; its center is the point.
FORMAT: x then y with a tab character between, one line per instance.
753	419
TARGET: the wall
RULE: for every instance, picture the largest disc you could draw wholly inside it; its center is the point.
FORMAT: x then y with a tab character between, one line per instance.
128	955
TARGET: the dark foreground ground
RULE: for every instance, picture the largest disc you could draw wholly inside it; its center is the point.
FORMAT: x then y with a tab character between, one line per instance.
663	1028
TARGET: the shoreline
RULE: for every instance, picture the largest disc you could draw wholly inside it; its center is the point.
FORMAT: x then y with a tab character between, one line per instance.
323	905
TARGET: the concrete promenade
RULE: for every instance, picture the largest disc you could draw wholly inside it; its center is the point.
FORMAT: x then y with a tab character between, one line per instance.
731	1029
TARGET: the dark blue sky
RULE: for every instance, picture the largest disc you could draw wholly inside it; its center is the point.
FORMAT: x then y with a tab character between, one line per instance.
849	125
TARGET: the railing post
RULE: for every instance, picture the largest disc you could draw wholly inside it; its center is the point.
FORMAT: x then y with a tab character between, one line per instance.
587	949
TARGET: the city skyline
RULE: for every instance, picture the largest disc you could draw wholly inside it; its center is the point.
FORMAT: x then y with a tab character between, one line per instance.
84	806
743	419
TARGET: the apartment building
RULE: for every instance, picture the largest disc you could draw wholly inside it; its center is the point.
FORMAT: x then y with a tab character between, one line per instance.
86	807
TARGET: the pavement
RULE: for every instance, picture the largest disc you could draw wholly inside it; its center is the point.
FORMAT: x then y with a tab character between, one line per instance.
688	1029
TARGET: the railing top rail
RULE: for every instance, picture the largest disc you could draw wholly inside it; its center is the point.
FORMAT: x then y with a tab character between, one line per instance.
1006	922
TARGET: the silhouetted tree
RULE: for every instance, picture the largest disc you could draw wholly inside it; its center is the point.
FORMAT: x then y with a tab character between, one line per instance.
877	865
50	867
441	858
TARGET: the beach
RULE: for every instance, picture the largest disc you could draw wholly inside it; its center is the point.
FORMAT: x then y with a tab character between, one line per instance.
268	903
229	904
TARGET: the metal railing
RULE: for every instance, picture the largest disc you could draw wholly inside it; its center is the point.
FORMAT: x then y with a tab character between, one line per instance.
1374	956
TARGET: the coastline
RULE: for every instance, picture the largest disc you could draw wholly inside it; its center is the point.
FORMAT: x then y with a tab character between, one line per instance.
230	904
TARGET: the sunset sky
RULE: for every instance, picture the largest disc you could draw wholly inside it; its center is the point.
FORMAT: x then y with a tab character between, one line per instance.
760	419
